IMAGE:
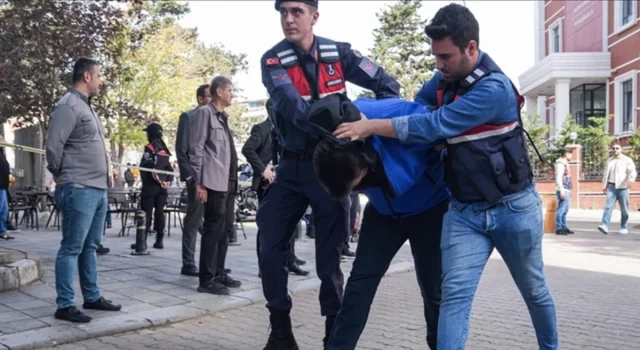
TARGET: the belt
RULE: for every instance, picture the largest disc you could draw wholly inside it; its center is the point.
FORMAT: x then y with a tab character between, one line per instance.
296	156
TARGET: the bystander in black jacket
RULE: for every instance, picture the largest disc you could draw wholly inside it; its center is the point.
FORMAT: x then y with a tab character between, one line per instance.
154	186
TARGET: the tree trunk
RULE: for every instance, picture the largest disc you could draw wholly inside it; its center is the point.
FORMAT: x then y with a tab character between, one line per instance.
113	151
121	150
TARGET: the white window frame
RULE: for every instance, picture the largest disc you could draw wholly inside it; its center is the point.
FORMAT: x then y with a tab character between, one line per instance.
617	16
556	24
618	109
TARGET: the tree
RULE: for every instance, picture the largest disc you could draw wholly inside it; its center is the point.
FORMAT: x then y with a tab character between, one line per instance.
401	48
159	76
595	141
537	131
241	126
40	41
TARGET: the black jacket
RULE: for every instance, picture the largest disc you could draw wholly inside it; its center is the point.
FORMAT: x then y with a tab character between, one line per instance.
4	171
182	144
155	157
258	150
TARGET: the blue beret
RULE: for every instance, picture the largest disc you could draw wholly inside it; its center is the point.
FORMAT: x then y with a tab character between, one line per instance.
310	2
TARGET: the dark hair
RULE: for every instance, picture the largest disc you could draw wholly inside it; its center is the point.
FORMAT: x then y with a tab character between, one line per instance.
269	107
457	22
201	90
82	65
218	82
337	164
567	150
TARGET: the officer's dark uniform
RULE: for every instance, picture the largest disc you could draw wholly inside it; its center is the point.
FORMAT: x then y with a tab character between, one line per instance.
294	80
153	195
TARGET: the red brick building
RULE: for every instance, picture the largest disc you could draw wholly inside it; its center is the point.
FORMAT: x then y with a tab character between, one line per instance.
587	60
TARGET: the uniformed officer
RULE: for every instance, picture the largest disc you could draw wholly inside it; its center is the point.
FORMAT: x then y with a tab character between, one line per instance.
495	203
297	71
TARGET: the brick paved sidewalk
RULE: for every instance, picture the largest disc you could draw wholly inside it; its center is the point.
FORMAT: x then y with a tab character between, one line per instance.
595	311
150	288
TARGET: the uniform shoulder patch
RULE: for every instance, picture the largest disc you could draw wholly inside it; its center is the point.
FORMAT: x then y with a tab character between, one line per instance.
356	53
274	61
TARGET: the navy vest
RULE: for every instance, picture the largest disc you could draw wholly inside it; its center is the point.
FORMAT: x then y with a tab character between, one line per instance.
330	80
487	162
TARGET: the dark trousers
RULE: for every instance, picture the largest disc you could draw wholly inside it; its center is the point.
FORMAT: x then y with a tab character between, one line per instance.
153	202
284	203
291	258
380	239
212	235
229	227
192	222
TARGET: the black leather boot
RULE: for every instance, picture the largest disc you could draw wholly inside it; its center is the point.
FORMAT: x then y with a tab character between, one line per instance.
159	237
281	336
328	326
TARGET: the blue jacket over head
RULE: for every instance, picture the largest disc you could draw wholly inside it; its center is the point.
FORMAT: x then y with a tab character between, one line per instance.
414	171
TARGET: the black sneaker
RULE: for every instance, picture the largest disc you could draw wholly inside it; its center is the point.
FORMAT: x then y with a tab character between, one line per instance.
348	253
281	336
561	232
567	230
190	270
102	304
72	314
102	250
227	270
11	228
214	287
225	280
300	262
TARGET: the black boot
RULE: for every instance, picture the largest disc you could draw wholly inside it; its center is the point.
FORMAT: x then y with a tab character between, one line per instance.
281	336
328	326
159	237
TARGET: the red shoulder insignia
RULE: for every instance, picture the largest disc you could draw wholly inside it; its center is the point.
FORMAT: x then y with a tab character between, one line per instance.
272	61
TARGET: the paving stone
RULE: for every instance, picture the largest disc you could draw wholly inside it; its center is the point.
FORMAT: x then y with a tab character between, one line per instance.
171	314
22	325
115	324
13	316
49	336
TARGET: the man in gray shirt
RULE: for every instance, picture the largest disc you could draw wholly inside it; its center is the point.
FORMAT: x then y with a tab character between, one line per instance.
195	208
78	160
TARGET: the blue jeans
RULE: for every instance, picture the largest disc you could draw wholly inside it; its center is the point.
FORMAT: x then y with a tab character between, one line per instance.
622	196
563	208
469	234
4	211
83	215
108	218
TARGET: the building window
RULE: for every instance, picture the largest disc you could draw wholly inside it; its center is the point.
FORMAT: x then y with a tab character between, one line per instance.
555	37
627	105
625	14
626	102
588	100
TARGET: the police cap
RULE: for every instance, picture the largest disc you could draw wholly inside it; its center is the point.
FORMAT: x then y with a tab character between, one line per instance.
313	3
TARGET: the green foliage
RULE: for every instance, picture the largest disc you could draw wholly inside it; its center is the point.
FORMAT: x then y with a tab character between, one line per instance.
595	141
634	144
401	48
538	133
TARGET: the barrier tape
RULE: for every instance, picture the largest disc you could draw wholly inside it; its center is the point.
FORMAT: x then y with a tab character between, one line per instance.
43	152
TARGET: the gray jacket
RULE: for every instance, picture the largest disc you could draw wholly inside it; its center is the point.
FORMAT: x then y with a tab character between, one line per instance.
182	144
76	149
209	153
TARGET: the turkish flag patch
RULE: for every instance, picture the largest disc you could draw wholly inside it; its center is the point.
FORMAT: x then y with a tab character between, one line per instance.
272	61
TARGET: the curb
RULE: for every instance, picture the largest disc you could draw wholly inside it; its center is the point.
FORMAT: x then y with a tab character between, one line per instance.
57	335
19	272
